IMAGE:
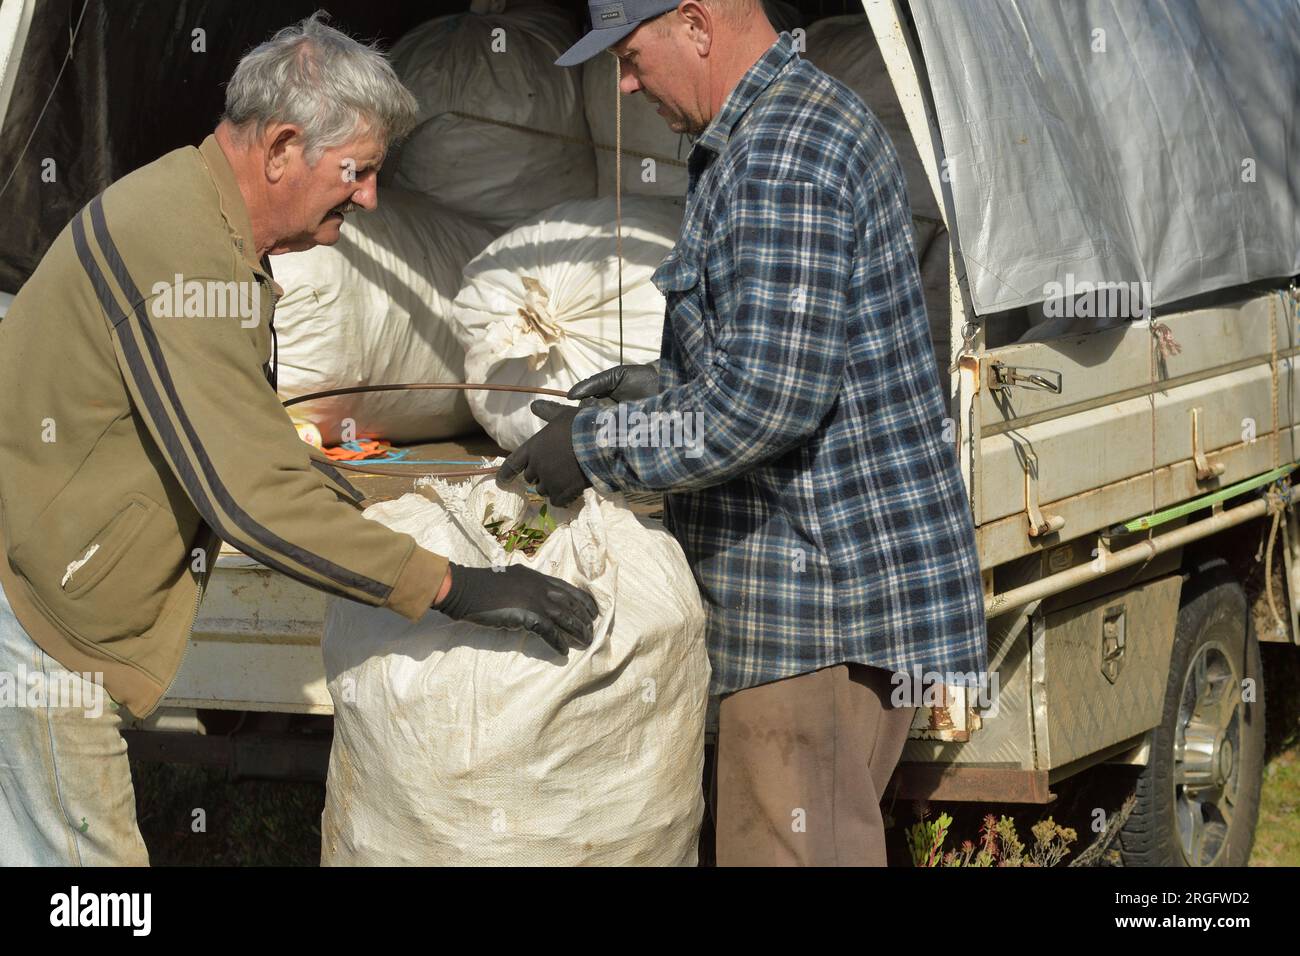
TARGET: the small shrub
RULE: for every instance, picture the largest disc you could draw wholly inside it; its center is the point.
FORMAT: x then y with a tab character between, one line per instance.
999	844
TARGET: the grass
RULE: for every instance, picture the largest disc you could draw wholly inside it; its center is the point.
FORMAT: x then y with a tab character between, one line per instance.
1277	838
248	823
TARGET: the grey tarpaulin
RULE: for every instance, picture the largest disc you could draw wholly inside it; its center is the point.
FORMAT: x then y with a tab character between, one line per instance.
1119	166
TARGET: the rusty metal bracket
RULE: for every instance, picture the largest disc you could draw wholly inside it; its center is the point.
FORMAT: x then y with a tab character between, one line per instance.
1204	470
950	716
932	781
1039	523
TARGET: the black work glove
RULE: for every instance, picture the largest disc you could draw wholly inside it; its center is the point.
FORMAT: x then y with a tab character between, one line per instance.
622	383
547	460
521	598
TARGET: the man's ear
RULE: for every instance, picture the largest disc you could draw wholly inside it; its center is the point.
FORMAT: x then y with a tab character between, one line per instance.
699	26
280	140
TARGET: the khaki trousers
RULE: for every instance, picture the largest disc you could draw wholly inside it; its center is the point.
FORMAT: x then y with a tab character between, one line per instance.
801	767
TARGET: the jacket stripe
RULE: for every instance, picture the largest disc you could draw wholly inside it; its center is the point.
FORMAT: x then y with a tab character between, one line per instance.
139	373
333	474
158	410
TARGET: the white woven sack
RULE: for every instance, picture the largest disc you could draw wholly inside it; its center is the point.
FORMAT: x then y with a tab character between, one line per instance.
539	306
654	157
646	135
457	744
374	308
495	69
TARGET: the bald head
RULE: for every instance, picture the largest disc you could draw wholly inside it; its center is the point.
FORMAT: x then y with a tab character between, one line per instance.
734	13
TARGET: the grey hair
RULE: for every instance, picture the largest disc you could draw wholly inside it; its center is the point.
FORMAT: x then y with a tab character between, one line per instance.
320	79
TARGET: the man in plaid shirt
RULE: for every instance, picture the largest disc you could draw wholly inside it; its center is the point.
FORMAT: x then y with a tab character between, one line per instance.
796	428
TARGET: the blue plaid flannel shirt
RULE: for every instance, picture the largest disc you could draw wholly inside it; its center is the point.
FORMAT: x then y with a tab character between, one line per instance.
819	505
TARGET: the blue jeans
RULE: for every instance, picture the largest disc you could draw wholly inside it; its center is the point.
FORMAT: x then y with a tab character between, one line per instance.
66	797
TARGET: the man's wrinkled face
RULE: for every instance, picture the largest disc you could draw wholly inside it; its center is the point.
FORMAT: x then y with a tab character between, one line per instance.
313	200
657	62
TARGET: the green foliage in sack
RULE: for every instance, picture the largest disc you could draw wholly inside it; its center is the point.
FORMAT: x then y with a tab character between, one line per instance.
526	537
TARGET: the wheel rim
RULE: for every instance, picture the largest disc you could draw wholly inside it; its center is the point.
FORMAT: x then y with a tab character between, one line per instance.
1207	751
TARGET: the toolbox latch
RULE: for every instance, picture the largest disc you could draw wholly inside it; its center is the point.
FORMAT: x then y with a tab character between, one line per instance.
1006	377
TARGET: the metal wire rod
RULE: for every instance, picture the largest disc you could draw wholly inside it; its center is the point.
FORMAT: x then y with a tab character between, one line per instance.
415	386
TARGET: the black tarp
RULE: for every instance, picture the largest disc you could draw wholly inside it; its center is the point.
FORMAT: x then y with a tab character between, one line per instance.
133	90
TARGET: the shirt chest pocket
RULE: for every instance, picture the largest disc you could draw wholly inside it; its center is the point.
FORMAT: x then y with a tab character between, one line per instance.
681	283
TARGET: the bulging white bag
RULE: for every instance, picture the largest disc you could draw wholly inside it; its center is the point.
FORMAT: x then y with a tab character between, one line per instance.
654	157
494	69
459	744
646	134
374	308
539	307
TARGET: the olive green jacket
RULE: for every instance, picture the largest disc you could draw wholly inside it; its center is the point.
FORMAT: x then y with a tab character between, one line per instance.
141	426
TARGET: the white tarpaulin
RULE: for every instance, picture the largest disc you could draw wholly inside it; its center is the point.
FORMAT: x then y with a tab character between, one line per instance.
1147	141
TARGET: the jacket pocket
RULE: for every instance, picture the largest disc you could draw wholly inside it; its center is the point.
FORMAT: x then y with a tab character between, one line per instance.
103	552
103	556
679	281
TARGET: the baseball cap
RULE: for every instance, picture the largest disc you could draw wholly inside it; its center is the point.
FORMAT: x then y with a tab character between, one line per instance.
611	21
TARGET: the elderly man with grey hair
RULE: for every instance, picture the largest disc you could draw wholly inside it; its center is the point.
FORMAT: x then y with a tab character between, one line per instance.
143	427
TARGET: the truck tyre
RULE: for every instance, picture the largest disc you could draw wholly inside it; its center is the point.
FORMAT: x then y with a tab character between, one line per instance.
1198	796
